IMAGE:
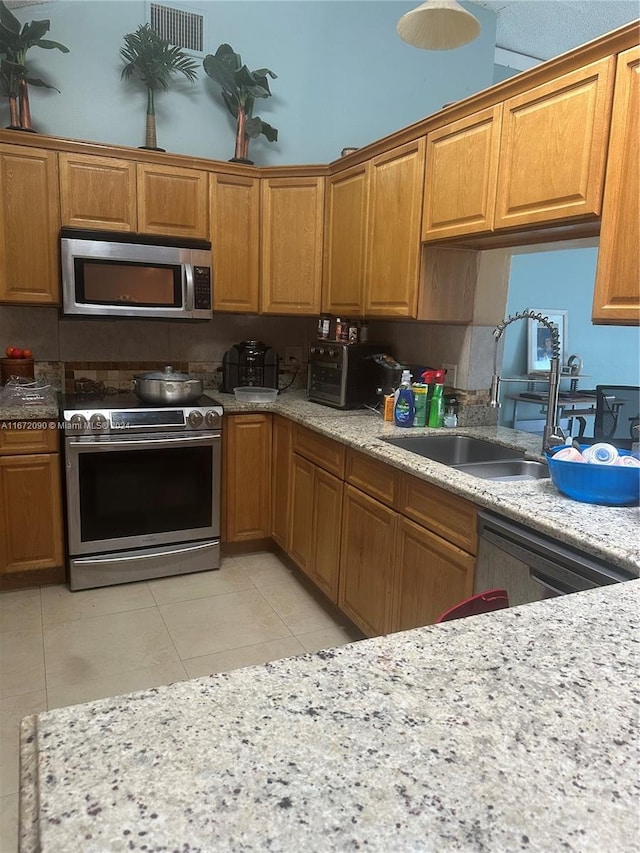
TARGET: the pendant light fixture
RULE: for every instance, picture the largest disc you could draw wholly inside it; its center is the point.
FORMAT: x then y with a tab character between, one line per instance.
438	25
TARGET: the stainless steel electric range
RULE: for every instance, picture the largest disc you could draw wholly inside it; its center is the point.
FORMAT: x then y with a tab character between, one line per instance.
142	488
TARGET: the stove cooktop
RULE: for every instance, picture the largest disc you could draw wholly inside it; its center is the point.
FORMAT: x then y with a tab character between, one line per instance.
88	414
126	400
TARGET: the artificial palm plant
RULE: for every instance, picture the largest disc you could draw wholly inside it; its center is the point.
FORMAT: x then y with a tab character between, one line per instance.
15	41
154	60
240	87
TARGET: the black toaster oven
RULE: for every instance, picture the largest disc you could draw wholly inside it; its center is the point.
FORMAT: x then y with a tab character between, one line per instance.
343	375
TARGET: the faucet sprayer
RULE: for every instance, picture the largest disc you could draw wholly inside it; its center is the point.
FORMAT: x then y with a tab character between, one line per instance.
553	435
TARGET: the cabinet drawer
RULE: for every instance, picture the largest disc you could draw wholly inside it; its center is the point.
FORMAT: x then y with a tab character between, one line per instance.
27	440
325	452
446	514
377	479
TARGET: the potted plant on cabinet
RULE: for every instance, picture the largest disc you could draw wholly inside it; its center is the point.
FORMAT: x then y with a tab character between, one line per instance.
154	60
15	42
240	87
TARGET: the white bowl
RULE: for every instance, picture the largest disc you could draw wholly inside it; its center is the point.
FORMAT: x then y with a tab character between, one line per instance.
252	394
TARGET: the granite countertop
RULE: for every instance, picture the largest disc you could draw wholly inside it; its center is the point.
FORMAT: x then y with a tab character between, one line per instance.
609	533
515	730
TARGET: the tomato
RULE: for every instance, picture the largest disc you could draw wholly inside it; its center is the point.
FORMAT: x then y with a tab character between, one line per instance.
16	352
26	353
9	352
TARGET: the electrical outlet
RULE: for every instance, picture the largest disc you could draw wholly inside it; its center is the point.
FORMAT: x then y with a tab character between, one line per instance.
293	355
451	376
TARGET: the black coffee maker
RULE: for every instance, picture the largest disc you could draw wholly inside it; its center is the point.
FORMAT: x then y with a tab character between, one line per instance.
249	363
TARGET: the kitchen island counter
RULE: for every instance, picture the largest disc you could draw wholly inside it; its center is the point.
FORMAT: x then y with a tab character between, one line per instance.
515	730
608	533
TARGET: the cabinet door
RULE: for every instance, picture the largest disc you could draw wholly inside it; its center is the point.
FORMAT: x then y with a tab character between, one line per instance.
617	297
394	240
29	226
97	192
431	576
346	241
367	558
326	527
292	229
553	148
461	176
300	538
281	480
235	236
173	201
30	516
247	477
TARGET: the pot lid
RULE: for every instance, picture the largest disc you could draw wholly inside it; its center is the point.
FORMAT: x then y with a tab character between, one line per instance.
167	373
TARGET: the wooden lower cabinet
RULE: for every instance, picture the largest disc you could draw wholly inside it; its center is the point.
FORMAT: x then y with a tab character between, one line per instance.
300	538
367	562
316	517
246	477
431	576
31	525
281	430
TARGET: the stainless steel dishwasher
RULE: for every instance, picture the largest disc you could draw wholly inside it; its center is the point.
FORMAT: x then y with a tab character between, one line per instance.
532	566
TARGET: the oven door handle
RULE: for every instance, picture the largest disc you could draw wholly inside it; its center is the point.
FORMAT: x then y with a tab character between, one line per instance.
141	443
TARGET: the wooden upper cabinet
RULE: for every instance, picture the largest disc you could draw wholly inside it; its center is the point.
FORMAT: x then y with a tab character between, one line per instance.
292	236
29	226
553	148
235	237
395	213
345	249
461	176
617	290
173	200
97	192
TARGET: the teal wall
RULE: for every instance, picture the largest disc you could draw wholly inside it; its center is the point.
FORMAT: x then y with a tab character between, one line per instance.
345	78
564	280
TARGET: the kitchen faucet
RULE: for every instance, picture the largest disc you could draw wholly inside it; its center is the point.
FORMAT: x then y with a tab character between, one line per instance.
553	435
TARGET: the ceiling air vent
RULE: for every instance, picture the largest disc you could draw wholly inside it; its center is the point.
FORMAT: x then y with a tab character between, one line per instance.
178	27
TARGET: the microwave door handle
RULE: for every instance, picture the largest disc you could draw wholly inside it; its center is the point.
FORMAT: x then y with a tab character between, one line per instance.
187	287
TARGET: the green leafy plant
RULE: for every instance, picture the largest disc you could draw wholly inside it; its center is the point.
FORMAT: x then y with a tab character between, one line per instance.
154	60
240	88
15	42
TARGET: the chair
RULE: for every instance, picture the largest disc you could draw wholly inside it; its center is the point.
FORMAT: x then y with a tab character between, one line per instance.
617	413
482	602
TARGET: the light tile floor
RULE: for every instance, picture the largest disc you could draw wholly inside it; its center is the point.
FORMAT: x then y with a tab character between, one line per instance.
61	648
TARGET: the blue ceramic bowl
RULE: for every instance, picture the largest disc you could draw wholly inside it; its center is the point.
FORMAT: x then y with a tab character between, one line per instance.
609	485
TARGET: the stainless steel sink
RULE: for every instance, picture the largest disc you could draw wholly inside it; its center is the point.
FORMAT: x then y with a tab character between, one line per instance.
506	469
455	449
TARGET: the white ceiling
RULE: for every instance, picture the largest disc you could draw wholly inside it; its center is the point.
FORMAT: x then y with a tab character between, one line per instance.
546	28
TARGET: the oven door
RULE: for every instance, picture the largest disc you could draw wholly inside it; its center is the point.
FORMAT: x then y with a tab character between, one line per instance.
138	491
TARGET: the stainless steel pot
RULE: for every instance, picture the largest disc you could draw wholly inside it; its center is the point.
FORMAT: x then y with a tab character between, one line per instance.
165	388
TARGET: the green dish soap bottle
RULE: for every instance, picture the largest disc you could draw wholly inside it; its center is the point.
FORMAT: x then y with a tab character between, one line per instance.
436	410
404	404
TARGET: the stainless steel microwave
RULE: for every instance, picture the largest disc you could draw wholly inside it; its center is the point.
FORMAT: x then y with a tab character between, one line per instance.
107	274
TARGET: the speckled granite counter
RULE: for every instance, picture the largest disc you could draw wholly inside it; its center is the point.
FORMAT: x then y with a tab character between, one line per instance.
30	412
516	730
610	533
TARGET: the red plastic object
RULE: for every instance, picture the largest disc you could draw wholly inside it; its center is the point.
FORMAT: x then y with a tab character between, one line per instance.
482	602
